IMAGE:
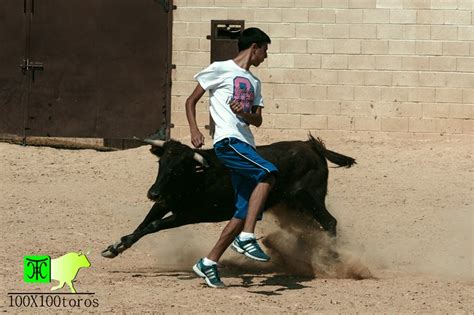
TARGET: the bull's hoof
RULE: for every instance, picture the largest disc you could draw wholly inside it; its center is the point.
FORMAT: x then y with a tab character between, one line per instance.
113	250
109	252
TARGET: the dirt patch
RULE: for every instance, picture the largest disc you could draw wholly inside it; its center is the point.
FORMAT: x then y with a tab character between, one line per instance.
405	218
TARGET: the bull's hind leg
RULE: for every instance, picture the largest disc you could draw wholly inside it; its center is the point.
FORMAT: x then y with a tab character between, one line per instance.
327	221
156	212
314	202
310	193
71	286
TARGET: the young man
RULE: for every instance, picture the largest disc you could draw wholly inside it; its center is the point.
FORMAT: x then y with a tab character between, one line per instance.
236	102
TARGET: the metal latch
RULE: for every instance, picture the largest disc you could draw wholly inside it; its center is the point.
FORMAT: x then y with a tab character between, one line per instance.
31	66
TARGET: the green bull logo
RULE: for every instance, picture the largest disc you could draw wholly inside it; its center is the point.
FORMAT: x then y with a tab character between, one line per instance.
41	269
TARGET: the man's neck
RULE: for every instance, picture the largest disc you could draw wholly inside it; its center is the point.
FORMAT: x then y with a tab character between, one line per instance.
243	59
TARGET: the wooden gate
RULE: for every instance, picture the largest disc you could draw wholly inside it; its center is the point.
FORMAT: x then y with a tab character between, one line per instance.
85	68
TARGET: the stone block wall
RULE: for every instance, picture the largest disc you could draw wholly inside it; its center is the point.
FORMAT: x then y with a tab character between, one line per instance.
400	67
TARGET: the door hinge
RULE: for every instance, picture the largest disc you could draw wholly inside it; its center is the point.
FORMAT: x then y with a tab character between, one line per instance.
166	5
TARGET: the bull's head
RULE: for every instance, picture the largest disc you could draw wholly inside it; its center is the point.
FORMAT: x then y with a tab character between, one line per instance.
178	165
82	260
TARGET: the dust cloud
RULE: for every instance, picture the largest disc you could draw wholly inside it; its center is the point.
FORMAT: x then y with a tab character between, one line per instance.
299	246
296	244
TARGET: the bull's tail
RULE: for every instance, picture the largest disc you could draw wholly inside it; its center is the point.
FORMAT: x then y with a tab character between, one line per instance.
339	159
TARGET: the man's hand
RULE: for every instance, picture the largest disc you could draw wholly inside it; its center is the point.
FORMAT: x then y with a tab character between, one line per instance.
236	107
197	138
254	118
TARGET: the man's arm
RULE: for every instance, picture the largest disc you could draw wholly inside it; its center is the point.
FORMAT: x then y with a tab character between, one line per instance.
254	118
197	138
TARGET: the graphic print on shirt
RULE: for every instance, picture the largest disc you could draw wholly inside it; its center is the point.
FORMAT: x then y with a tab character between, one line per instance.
244	93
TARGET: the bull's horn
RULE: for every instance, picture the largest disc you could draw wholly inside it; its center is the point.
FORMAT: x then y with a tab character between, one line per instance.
199	158
156	143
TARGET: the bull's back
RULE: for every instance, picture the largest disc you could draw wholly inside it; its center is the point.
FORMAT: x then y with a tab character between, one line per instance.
294	160
295	157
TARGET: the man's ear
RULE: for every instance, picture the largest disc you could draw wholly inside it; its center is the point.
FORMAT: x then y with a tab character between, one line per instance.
158	151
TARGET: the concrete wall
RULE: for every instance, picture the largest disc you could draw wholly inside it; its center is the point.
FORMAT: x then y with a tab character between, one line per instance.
399	67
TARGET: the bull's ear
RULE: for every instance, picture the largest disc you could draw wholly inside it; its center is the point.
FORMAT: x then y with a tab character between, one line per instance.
158	151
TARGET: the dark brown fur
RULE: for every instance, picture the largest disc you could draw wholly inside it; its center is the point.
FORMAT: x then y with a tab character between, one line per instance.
195	194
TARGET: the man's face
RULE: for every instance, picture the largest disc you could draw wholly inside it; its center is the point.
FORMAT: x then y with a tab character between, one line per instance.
259	54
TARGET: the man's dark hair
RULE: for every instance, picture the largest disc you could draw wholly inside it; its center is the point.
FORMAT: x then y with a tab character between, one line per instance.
253	35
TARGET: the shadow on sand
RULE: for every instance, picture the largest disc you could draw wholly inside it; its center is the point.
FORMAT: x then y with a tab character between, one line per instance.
255	279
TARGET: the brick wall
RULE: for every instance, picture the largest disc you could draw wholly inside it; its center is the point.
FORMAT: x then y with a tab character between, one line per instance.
388	66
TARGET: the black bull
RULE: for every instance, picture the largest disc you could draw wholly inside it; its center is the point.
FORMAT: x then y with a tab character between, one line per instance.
195	187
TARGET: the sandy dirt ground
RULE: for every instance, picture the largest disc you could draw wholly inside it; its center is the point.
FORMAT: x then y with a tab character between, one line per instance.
405	214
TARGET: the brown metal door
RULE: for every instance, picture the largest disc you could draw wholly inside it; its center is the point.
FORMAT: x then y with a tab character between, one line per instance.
63	96
12	82
106	68
133	67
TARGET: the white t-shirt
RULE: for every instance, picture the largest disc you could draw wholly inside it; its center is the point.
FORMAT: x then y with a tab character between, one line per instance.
226	80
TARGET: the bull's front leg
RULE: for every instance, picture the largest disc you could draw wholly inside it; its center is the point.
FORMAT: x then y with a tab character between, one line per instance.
59	286
154	226
157	212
